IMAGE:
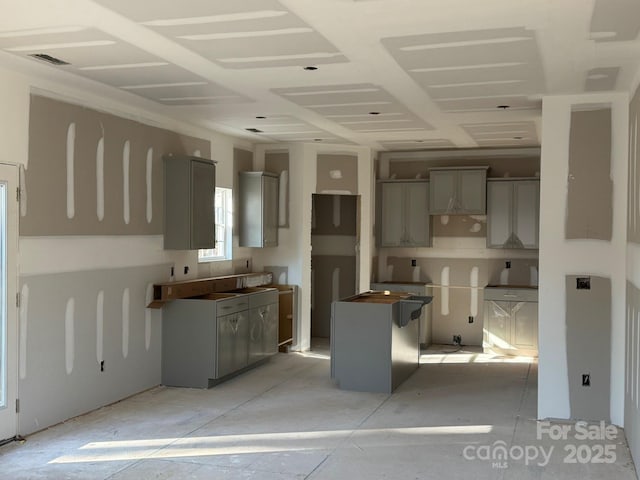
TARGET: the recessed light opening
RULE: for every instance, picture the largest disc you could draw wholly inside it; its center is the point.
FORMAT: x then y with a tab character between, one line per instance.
517	138
317	139
261	117
311	68
374	113
503	107
48	58
254	130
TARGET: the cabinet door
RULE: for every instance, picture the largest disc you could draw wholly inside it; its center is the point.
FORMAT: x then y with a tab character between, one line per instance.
442	191
270	211
269	315
416	217
526	206
499	214
392	228
525	325
471	194
498	328
203	192
225	345
256	335
241	340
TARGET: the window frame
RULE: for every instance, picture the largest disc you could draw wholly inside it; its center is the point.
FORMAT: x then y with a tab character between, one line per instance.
227	208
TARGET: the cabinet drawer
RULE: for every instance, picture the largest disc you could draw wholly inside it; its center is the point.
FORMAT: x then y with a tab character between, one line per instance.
232	305
263	298
511	294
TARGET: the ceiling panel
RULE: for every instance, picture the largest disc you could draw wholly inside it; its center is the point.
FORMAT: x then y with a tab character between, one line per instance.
615	20
503	133
247	34
362	107
416	144
473	70
602	79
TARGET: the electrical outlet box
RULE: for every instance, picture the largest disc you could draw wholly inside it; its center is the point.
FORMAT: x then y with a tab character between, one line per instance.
457	339
586	379
583	283
414	262
471	319
507	264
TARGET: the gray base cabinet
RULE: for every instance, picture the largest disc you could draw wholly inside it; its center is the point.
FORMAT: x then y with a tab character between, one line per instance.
511	321
370	352
208	339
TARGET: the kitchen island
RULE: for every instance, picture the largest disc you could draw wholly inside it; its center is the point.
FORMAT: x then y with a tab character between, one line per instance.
375	343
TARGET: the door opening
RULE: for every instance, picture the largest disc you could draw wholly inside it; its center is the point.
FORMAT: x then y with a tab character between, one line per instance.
334	240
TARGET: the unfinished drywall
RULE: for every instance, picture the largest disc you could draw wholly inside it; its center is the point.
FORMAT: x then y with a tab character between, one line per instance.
337	174
588	318
498	167
589	215
333	256
72	322
459	226
94	173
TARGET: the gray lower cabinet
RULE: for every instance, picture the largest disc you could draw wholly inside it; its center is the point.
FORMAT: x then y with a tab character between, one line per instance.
405	220
207	339
458	191
511	321
232	345
513	208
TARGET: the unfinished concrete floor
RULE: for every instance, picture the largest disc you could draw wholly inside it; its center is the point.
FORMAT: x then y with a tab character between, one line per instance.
287	420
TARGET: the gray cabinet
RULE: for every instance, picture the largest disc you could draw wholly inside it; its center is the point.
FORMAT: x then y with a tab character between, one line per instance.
189	193
263	325
232	346
511	321
513	208
405	220
457	191
258	209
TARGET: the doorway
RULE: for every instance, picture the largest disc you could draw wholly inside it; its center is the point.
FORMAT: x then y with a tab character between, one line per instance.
8	311
334	241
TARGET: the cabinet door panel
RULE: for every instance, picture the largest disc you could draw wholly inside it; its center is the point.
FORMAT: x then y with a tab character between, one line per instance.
241	340
499	217
392	228
203	192
526	213
525	325
225	345
256	334
270	211
498	318
416	216
270	329
472	192
442	192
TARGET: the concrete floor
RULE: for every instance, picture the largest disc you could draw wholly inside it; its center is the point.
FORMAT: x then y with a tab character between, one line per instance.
286	420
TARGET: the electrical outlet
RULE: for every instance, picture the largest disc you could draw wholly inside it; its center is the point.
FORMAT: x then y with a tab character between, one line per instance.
583	283
186	270
414	262
173	270
102	366
471	319
507	264
457	339
586	379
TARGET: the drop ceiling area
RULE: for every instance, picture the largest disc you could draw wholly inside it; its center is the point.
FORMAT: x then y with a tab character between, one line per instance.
387	74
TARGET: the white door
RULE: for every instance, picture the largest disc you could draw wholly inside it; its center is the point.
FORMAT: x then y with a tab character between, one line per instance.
8	310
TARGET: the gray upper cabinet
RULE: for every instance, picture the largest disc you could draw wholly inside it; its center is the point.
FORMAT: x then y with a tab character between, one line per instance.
513	213
189	197
458	191
405	217
258	209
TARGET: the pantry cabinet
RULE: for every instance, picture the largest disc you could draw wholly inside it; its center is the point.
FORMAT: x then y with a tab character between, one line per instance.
405	220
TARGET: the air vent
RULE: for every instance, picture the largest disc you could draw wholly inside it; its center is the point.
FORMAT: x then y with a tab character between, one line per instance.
254	130
48	58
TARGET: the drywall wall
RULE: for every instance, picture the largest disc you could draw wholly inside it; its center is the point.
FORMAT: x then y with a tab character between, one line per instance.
588	215
278	162
68	264
337	174
588	318
560	257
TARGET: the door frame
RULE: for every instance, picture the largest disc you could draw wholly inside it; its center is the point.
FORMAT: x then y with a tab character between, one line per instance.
9	175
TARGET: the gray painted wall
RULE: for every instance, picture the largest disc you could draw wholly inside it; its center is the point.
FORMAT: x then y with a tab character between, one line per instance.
60	351
328	180
588	337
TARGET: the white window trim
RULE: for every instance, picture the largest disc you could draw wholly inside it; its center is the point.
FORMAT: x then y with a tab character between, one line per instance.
228	240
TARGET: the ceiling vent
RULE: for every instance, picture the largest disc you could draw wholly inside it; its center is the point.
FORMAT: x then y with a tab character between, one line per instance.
48	58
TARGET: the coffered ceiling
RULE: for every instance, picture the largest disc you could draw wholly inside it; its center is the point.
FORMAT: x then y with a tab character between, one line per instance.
390	74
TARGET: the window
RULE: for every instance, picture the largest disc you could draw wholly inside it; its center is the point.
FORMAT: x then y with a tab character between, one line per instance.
224	219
